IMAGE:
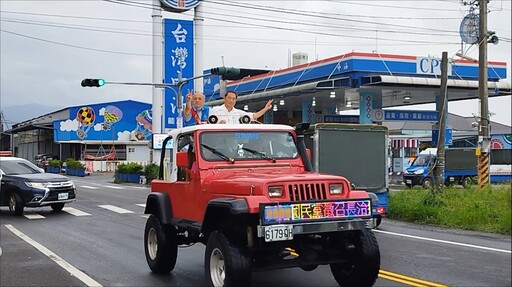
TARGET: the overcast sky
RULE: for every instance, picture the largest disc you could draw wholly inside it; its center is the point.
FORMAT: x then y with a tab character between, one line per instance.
48	47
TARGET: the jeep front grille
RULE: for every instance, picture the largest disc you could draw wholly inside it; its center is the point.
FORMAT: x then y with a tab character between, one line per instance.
307	191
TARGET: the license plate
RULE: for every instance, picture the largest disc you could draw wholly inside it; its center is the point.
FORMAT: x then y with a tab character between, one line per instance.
63	196
408	181
278	233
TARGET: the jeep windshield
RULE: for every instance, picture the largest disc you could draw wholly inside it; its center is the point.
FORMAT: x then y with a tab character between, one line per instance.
236	145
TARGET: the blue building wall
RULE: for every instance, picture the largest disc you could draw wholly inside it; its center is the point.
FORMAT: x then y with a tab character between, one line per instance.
112	121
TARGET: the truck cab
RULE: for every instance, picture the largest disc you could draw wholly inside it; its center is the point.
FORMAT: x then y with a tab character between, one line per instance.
249	193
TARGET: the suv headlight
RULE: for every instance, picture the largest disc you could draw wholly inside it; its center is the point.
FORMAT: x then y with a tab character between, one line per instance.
36	184
275	191
336	188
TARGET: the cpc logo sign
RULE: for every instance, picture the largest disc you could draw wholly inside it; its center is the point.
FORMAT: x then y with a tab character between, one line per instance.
431	66
179	6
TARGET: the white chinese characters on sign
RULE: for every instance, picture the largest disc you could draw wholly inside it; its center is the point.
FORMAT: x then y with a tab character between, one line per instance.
180	54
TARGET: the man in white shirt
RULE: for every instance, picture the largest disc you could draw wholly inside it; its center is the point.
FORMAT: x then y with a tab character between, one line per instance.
228	114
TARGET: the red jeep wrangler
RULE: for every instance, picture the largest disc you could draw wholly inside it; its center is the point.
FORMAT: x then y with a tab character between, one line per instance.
248	193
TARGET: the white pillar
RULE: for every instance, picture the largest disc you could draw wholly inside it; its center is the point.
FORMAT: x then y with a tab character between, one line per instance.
158	93
198	47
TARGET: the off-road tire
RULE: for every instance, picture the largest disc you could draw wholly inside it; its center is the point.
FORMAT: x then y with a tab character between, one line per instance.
363	266
225	263
16	204
57	207
160	246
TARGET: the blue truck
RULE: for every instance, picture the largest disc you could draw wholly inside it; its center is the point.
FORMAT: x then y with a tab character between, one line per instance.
460	167
358	152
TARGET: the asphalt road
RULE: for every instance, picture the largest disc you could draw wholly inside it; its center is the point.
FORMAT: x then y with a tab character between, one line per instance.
98	240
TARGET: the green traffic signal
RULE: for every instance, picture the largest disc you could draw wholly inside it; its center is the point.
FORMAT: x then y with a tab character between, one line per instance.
92	82
225	71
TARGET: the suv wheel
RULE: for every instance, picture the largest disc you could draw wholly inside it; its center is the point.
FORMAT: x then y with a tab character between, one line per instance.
160	246
15	203
57	207
363	266
225	264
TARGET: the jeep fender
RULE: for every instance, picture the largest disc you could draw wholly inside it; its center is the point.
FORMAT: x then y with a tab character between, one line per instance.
220	210
159	204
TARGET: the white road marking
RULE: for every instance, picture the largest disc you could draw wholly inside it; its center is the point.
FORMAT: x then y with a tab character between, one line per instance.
141	204
89	187
55	258
444	241
114	187
75	212
33	216
115	209
145	215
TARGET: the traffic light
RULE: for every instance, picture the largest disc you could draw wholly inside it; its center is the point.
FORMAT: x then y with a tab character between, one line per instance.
225	71
230	73
93	82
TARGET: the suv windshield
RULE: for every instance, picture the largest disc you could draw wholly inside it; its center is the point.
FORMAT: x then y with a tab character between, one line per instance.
269	145
14	167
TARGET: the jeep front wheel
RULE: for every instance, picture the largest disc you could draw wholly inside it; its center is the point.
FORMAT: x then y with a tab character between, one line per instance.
226	264
362	268
160	246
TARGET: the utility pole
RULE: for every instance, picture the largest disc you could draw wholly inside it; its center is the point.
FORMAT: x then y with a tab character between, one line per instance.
483	133
440	157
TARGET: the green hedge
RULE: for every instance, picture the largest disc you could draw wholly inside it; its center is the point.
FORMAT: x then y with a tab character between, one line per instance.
74	164
129	168
54	163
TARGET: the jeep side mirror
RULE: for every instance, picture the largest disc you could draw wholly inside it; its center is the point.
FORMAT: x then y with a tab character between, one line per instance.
182	159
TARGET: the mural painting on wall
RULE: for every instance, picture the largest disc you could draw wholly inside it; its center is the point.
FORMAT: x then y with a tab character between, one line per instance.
85	118
144	125
123	122
112	115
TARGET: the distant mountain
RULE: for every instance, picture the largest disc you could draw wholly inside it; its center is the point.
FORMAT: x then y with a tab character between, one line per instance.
16	114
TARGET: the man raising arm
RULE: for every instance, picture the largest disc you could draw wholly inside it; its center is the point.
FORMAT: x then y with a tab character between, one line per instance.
228	114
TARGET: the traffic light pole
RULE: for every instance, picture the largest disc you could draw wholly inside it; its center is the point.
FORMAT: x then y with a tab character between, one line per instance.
179	95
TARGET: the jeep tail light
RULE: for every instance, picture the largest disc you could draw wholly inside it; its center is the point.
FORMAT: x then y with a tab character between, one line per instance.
381	210
336	188
275	191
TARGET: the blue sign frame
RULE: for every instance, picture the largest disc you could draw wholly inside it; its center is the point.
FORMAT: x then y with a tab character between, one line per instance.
179	56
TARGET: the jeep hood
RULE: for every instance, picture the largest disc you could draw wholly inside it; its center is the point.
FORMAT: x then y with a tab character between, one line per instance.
247	182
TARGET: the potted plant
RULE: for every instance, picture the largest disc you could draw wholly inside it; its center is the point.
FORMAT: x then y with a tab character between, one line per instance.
151	172
74	167
128	172
54	166
121	172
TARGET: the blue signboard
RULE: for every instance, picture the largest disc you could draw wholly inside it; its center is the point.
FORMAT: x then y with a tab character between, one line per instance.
448	140
179	57
403	115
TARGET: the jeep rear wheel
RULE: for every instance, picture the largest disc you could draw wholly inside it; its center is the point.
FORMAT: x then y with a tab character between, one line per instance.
226	264
160	246
362	268
15	203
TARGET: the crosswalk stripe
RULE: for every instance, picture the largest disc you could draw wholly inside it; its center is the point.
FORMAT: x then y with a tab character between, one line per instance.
141	205
75	212
89	187
115	209
145	215
33	216
114	187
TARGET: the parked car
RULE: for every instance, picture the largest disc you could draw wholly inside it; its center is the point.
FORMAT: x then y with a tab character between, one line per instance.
23	184
42	160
